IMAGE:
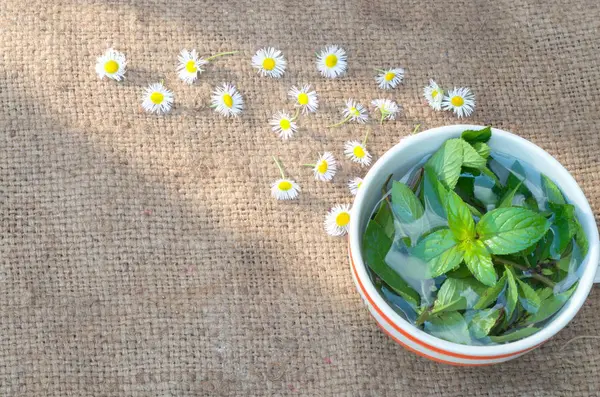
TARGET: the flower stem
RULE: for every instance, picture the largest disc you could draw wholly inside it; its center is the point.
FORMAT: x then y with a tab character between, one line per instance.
364	142
380	70
341	122
415	129
309	165
279	166
296	114
220	54
539	277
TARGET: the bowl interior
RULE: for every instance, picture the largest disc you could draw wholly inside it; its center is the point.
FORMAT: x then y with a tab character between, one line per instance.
402	157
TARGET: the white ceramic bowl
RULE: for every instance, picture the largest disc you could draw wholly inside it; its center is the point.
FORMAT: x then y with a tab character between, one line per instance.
398	160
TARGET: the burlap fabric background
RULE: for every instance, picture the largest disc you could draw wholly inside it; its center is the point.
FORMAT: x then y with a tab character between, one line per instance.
143	256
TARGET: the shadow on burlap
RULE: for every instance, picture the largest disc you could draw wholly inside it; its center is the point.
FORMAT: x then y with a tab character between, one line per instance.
143	256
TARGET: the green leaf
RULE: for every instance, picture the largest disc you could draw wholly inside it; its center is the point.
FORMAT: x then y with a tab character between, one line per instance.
482	322
473	136
512	294
551	191
474	211
528	298
376	246
457	294
450	326
482	149
385	219
471	158
460	220
479	262
581	238
509	230
545	293
439	252
460	272
507	199
434	194
491	294
563	227
514	335
405	204
550	306
447	161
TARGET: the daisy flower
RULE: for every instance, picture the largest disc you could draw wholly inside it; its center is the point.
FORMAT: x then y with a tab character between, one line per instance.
387	108
112	65
337	220
354	184
284	125
325	167
305	99
190	66
389	78
357	151
434	95
461	101
332	62
227	100
353	111
269	62
157	99
284	188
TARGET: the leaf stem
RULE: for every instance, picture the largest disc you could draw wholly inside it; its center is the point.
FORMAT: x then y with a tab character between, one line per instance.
279	166
384	188
341	122
414	183
538	277
423	316
220	54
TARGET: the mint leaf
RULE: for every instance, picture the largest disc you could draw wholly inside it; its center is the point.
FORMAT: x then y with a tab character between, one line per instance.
385	219
551	191
512	294
460	220
473	136
447	161
439	252
491	294
581	238
482	322
514	335
482	149
507	199
405	204
563	227
457	294
376	246
479	262
528	298
471	158
434	194
550	306
449	326
509	230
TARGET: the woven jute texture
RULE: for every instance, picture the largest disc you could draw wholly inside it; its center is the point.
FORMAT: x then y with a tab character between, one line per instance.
143	256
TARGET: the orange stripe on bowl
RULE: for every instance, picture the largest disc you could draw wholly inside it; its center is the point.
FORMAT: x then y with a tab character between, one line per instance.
418	341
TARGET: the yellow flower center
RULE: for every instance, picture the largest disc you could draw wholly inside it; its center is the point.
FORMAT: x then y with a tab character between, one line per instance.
303	98
457	101
157	98
389	76
342	219
269	64
227	100
331	60
434	93
322	167
358	152
284	186
354	111
285	124
111	67
190	66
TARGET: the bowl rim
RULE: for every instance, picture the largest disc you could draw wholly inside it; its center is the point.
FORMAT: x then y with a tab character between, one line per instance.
570	308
